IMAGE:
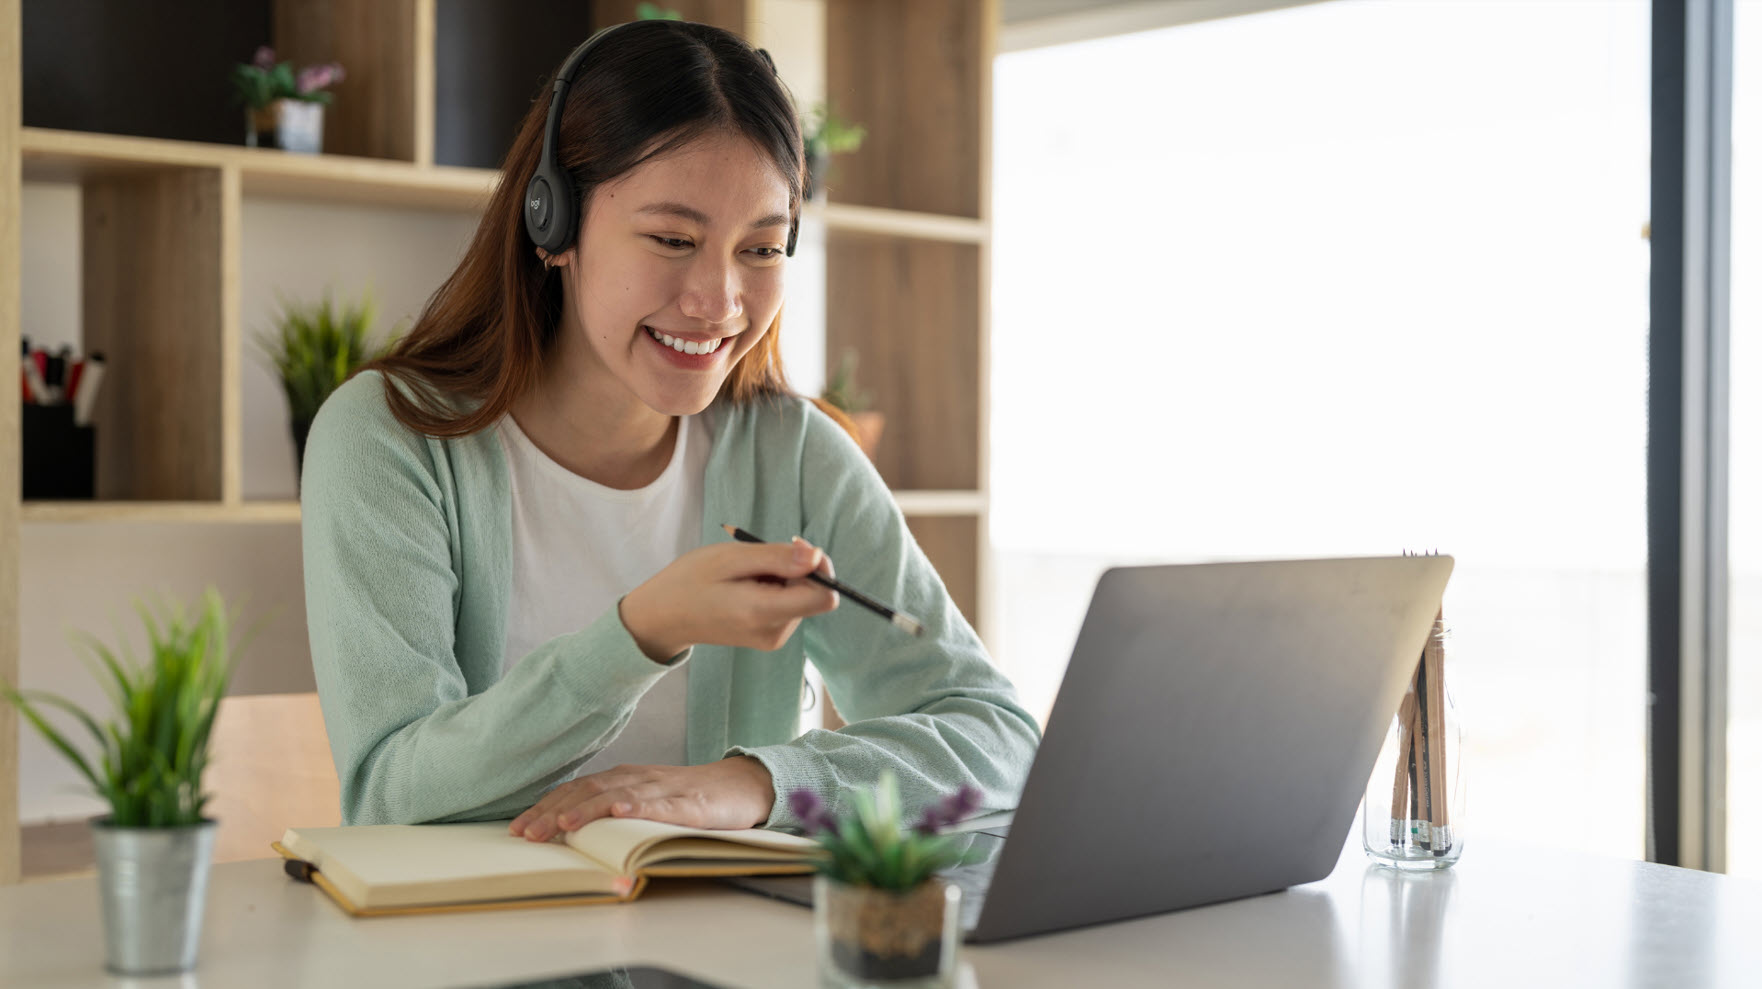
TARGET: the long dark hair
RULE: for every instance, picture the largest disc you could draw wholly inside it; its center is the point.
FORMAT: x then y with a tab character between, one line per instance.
645	90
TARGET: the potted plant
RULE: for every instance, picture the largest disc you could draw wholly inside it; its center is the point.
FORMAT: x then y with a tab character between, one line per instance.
154	845
842	393
647	11
314	349
881	914
825	134
284	109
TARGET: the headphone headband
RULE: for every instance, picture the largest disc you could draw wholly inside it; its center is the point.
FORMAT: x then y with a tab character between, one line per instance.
550	204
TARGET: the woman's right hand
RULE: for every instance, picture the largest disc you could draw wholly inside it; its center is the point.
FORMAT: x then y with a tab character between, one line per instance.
728	594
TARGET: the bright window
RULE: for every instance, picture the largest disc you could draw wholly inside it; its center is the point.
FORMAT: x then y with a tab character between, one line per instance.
1348	278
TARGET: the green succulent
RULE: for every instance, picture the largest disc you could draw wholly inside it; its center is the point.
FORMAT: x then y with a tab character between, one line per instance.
872	847
315	348
826	133
841	390
150	759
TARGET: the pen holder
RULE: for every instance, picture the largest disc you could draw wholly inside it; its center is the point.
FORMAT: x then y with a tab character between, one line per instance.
58	455
1413	807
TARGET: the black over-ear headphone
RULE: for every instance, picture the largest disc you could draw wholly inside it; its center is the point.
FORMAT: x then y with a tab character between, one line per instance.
551	204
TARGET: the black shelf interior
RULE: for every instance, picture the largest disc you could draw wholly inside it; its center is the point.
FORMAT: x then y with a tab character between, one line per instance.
139	69
491	60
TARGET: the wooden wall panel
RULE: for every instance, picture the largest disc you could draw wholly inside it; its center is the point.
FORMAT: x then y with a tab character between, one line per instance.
910	309
271	771
378	43
154	263
952	544
10	119
913	72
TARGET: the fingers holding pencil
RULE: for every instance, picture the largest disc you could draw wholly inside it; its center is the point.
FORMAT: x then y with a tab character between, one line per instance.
898	619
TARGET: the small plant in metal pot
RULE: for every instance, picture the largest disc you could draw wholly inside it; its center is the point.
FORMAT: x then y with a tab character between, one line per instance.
882	914
154	845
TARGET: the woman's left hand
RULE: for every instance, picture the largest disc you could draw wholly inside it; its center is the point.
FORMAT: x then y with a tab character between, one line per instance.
731	794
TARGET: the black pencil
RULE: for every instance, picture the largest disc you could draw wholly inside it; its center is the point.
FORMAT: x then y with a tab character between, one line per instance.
898	618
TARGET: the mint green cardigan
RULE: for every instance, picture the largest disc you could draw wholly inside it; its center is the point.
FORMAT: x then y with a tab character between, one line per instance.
408	563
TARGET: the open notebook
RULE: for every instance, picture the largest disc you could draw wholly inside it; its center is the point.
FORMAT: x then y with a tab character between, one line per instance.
401	868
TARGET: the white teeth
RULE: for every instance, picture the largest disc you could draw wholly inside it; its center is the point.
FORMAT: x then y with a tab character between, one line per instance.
684	346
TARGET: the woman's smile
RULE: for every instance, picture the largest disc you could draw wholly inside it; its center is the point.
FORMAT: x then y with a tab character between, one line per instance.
686	353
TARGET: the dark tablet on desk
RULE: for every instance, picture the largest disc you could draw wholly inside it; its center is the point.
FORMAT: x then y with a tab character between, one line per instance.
636	977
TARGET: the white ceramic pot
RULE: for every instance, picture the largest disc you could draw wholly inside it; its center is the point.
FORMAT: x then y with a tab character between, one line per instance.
291	125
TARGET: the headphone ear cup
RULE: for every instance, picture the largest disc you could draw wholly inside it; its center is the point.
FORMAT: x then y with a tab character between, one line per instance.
549	210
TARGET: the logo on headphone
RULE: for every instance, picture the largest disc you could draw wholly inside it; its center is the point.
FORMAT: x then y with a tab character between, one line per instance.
533	204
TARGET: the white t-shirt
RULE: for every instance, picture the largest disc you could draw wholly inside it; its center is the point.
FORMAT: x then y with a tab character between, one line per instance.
580	546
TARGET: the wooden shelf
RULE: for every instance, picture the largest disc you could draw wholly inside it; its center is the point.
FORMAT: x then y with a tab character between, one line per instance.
914	503
160	511
74	156
845	218
927	503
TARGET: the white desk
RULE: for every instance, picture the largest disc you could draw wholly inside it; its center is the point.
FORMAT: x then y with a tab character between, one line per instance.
1505	917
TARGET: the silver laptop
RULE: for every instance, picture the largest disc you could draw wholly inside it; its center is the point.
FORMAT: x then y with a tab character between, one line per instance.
1214	732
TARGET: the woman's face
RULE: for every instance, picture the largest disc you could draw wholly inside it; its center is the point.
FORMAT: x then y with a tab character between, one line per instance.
688	246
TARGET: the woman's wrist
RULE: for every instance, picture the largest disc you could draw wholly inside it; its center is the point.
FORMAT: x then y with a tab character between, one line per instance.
764	789
646	627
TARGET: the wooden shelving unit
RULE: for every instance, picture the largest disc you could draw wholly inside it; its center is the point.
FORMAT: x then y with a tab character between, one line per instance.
908	234
138	176
917	75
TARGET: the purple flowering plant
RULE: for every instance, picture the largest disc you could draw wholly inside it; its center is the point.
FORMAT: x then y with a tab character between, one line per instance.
871	847
263	80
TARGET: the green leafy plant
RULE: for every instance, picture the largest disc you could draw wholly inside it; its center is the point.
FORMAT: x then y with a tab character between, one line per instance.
841	390
263	80
149	761
871	847
314	350
646	11
826	133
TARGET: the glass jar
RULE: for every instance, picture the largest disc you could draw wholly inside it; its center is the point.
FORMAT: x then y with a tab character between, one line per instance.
881	939
1413	807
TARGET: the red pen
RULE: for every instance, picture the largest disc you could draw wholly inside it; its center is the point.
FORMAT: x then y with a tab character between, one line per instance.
73	379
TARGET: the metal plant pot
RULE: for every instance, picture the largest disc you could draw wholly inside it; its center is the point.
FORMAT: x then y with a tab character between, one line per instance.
153	883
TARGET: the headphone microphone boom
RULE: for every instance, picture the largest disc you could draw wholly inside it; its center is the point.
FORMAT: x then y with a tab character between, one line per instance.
551	208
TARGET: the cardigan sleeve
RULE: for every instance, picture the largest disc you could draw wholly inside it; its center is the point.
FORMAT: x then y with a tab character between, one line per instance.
932	708
410	742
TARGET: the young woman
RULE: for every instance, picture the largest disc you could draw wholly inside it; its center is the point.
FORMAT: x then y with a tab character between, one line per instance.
520	598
